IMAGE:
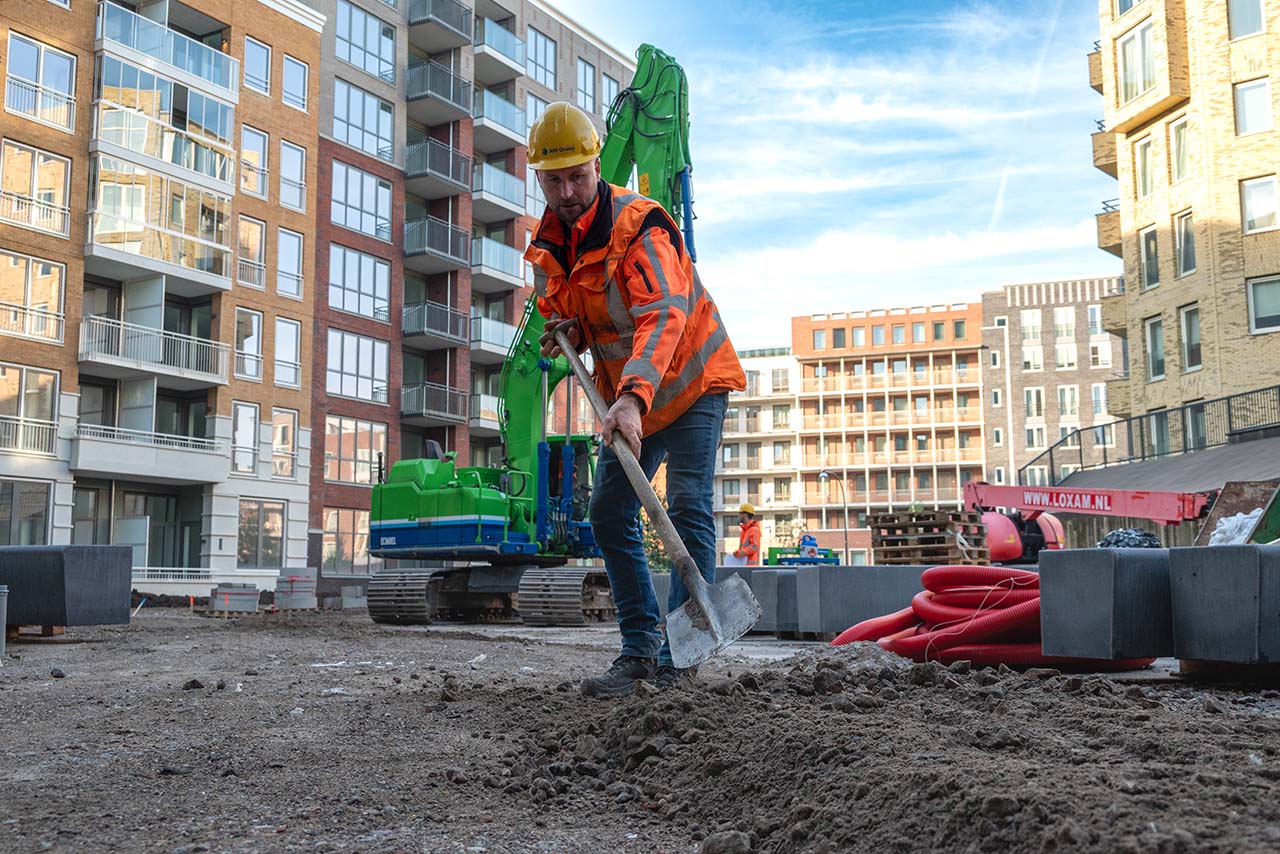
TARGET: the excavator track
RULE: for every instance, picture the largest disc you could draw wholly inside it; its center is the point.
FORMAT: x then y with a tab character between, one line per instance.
402	597
419	597
565	596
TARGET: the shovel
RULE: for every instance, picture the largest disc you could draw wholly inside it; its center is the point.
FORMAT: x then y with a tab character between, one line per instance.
715	615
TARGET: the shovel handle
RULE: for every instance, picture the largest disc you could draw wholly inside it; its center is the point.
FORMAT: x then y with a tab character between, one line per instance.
680	557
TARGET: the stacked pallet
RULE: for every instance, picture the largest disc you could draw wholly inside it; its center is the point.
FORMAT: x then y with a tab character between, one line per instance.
928	538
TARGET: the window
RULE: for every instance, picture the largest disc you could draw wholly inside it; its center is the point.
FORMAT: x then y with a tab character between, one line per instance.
542	58
1258	204
780	380
781	489
1123	6
31	294
251	247
1155	348
1264	305
1150	258
257	66
534	107
248	344
939	330
1068	401
1179	165
917	333
33	188
1253	106
995	358
366	42
781	453
28	410
352	448
1244	17
42	82
346	543
957	330
1035	437
859	336
1037	476
288	263
999	474
1190	323
261	534
361	202
877	336
1064	321
1100	355
284	429
586	85
1184	237
819	339
1033	398
1064	356
244	437
729	490
357	367
362	120
1137	62
899	334
609	90
1095	320
1143	166
837	338
24	512
1032	359
1099	396
288	353
781	416
294	90
293	176
996	398
997	437
359	283
253	161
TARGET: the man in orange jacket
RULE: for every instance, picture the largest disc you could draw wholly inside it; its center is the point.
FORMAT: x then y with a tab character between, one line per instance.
749	536
614	276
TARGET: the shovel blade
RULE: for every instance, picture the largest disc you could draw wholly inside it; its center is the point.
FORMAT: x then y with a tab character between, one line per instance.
696	635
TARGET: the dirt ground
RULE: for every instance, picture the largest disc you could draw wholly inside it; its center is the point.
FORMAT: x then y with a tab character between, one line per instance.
330	733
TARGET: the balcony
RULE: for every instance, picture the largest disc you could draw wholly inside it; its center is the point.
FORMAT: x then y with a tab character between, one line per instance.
1109	228
120	249
1095	69
45	105
499	53
1115	314
499	124
1104	152
433	405
123	350
433	170
123	132
433	326
1154	81
484	420
28	436
434	246
1120	397
490	341
495	195
436	95
495	267
438	25
34	213
24	321
114	452
189	61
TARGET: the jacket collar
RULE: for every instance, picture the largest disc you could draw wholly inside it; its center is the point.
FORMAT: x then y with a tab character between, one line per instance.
589	233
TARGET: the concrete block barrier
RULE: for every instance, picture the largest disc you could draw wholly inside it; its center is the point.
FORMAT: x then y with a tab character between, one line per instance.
775	590
1106	603
1226	603
832	598
662	583
67	585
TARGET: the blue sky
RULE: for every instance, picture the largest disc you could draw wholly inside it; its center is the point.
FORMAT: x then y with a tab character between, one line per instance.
871	154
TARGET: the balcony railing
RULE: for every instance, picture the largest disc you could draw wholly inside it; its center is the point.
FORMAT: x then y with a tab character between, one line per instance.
40	103
490	33
283	464
433	79
493	107
434	235
251	273
145	135
27	321
435	400
248	365
35	213
431	156
116	340
151	439
148	241
117	24
1031	333
293	194
289	284
490	179
448	12
253	178
497	256
288	373
485	407
1064	330
433	317
495	333
28	435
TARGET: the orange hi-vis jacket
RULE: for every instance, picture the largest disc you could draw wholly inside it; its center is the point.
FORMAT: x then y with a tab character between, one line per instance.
749	542
653	330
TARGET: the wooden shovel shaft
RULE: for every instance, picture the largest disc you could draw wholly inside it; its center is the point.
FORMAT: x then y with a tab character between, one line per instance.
639	482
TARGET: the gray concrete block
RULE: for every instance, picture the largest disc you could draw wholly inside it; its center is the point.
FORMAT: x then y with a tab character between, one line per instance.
1226	603
67	585
775	590
234	598
662	582
833	598
1105	603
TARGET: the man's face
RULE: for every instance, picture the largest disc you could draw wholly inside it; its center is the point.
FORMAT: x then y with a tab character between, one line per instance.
569	192
743	518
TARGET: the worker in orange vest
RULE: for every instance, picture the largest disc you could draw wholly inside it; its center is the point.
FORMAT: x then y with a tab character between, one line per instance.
749	538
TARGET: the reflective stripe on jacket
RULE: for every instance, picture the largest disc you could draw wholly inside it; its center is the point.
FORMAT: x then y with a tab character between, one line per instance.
749	543
652	328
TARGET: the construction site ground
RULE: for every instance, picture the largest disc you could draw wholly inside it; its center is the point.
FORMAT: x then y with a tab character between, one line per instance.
327	732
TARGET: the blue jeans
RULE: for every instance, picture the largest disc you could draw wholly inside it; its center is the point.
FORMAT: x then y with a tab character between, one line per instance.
689	446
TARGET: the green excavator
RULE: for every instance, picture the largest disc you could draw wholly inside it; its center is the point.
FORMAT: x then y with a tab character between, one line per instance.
475	543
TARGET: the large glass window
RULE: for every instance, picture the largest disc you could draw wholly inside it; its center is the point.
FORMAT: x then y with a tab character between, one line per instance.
357	366
1099	391
351	449
1144	166
244	437
359	283
253	161
1155	348
293	176
1068	401
1150	257
288	353
1253	106
1179	161
251	245
295	83
261	534
248	344
1137	62
608	91
33	188
1264	305
288	262
1184	234
362	120
366	42
1258	204
361	202
1190	338
24	512
1033	398
257	66
1244	17
542	58
31	293
586	85
42	82
346	543
284	429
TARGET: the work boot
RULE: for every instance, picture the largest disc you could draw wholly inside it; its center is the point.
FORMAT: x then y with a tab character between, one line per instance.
674	677
621	677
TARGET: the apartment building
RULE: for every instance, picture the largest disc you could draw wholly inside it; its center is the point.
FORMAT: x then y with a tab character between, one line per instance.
1189	134
153	387
1045	365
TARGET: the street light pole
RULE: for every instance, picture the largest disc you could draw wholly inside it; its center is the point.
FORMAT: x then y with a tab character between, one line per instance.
844	499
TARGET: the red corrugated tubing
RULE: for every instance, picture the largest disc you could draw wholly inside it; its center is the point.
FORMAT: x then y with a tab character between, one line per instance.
941	578
981	626
985	597
877	627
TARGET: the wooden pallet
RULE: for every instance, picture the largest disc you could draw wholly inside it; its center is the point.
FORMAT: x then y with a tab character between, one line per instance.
919	517
930	538
15	632
261	612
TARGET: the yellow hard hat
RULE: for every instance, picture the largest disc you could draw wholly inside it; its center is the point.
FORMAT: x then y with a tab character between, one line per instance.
747	508
564	136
